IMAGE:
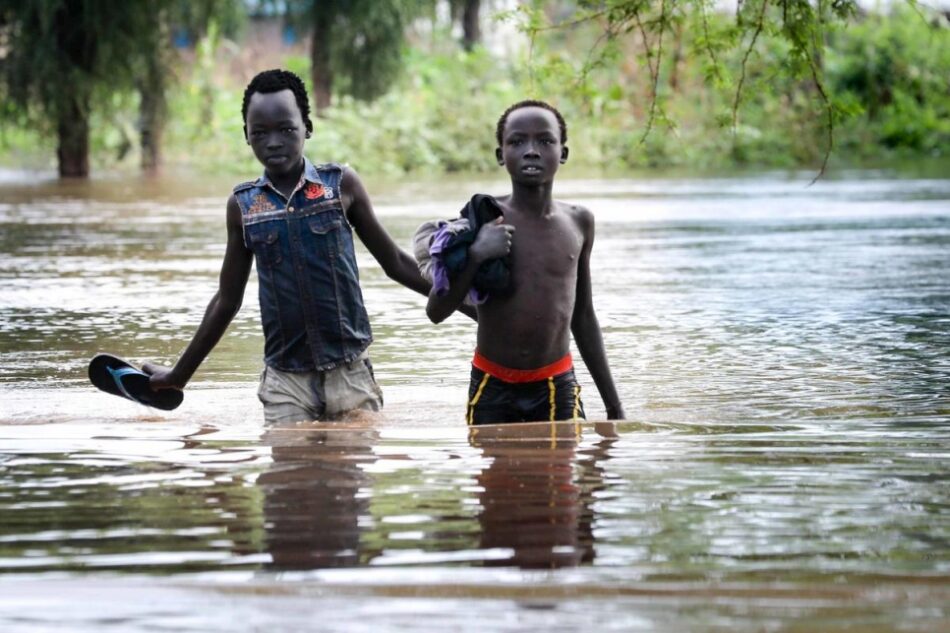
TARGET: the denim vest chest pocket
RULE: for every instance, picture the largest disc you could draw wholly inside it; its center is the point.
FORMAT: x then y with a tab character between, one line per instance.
264	242
327	229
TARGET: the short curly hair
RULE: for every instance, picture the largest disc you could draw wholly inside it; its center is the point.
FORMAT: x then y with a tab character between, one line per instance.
275	80
530	103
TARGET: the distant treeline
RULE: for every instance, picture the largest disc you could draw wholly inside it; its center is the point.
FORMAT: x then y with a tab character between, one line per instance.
416	86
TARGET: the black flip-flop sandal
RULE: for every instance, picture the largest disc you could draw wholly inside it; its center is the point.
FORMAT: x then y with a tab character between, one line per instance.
118	377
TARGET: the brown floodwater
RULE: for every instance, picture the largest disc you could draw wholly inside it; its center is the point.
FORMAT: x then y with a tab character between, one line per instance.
782	351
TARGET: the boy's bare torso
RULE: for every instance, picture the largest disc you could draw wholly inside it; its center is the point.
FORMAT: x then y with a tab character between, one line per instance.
531	327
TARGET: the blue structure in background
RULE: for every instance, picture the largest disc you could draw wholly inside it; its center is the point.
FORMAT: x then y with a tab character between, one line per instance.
181	38
289	35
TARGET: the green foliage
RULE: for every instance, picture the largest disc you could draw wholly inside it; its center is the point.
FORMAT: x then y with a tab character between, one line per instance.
366	39
440	117
204	129
195	18
787	79
64	63
895	71
883	78
23	147
58	52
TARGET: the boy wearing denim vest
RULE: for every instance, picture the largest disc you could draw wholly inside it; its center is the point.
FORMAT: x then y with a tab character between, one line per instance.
522	370
297	221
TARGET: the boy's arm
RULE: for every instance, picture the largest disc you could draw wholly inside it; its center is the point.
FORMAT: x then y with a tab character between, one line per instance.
221	310
398	265
586	329
493	240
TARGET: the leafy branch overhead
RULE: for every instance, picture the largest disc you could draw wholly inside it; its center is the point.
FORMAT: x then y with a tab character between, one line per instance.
659	33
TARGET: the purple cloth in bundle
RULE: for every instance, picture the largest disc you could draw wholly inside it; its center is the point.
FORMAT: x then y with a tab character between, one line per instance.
440	273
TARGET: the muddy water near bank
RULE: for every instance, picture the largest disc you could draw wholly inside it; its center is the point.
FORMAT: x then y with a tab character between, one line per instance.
782	352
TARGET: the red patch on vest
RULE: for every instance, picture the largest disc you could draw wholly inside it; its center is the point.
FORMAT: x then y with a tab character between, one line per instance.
313	191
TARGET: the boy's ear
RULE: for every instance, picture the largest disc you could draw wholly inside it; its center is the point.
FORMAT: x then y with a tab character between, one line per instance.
499	157
564	153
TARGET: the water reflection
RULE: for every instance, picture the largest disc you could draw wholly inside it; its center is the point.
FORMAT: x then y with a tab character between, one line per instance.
537	493
315	492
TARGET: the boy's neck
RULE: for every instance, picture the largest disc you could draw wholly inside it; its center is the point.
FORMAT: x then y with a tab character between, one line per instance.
534	199
286	182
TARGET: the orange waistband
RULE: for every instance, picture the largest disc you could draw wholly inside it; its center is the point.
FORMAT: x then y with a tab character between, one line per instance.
523	375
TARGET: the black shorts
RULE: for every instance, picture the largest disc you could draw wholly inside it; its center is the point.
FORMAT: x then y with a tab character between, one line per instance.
492	400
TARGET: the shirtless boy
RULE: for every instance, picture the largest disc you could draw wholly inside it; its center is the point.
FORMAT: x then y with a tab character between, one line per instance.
522	370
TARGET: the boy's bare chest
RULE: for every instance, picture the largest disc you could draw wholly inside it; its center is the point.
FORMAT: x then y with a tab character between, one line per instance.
545	245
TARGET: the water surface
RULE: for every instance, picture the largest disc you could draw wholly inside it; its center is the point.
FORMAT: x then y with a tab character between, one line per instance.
782	351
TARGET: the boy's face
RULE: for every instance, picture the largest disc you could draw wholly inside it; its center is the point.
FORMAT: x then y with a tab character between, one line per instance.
531	148
276	131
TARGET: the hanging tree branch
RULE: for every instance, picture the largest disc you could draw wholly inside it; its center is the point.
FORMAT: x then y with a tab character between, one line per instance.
759	25
707	41
826	102
654	67
609	34
829	111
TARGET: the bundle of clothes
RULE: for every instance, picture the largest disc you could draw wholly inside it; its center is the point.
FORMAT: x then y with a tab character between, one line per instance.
441	251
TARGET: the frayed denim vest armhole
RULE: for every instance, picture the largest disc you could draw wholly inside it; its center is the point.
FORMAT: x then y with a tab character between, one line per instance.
242	206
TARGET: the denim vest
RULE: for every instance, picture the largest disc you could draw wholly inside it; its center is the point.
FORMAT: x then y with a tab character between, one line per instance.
311	303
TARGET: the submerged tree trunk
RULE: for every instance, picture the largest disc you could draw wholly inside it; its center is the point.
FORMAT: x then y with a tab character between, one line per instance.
152	110
321	74
76	50
72	149
153	105
471	30
151	126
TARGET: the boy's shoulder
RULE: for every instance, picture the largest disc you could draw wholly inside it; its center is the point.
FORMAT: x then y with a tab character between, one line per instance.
244	186
571	208
580	214
327	168
329	165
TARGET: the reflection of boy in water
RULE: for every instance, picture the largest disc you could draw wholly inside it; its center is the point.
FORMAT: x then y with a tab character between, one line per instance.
297	221
522	369
312	502
537	495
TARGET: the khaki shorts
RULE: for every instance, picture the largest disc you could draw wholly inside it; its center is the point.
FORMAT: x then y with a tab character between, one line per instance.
319	395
